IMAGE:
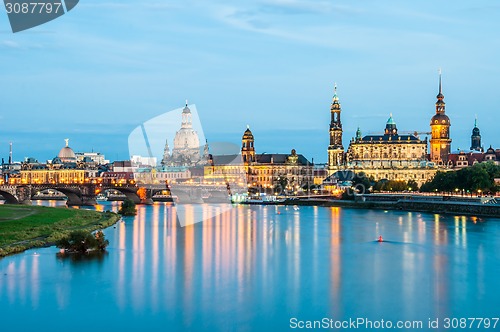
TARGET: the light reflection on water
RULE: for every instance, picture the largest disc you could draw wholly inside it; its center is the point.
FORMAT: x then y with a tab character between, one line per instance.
253	268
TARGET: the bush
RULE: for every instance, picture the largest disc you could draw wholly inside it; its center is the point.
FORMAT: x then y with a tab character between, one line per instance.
83	242
128	208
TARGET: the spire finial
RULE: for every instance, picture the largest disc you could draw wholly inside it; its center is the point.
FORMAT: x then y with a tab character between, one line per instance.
186	102
248	127
440	85
67	141
475	122
335	97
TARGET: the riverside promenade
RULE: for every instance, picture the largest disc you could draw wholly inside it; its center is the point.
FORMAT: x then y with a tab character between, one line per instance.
476	206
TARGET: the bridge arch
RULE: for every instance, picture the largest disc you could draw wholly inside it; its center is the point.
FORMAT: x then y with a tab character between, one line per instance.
74	195
130	193
9	198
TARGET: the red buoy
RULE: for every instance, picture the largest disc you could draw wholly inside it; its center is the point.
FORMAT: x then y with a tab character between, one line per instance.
380	239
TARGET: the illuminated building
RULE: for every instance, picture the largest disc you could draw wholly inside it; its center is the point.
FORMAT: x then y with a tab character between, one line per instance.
440	130
161	175
45	175
186	151
390	156
335	149
272	173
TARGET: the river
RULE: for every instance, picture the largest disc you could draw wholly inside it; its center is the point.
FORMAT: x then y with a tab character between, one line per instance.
256	268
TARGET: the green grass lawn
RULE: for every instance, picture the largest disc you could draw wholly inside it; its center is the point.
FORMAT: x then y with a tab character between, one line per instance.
23	227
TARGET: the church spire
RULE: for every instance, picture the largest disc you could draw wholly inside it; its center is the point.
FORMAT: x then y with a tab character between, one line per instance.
440	95
335	149
440	82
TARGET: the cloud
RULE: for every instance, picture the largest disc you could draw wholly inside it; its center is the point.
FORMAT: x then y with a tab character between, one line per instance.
302	7
14	45
10	44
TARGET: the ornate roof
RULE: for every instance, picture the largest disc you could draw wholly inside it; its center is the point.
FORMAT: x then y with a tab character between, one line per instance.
66	154
247	135
440	117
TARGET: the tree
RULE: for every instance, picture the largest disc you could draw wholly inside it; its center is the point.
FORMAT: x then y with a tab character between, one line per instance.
481	176
361	183
380	185
83	242
412	185
128	208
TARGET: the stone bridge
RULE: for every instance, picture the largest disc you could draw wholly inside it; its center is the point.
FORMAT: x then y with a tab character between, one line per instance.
78	194
85	194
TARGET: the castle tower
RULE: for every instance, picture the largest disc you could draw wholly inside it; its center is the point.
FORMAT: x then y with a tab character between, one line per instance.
440	128
390	127
247	147
476	139
335	149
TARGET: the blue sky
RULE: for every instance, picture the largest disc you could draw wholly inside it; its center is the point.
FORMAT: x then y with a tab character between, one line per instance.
104	68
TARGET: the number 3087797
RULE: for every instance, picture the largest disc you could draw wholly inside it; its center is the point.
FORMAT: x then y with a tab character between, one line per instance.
33	8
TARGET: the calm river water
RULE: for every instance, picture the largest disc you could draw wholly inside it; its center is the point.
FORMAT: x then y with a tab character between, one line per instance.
254	268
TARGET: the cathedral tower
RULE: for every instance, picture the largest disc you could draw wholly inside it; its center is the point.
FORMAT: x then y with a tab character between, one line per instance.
476	139
247	148
335	149
440	128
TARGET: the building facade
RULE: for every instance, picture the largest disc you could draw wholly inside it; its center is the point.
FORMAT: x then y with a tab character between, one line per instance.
390	156
272	173
393	156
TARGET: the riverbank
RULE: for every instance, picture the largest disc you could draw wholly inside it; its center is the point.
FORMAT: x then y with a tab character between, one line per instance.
25	227
456	208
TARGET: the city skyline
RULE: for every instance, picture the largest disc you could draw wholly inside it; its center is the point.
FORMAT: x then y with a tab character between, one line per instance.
282	148
271	64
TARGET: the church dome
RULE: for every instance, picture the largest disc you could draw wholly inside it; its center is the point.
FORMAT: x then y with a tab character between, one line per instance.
490	150
439	118
247	135
186	142
475	131
66	154
186	139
